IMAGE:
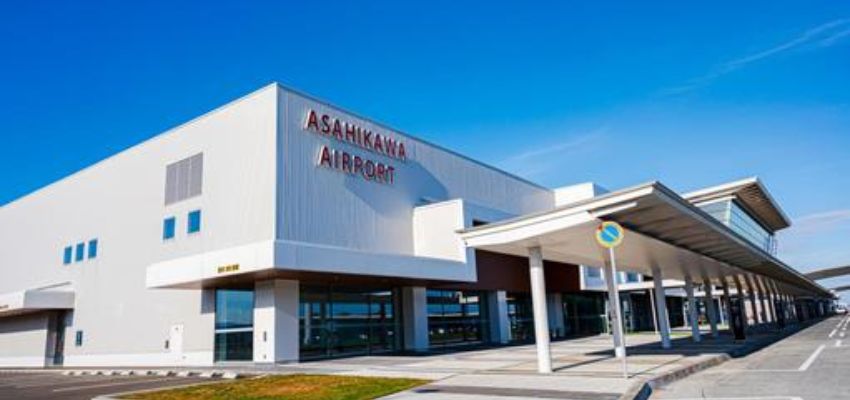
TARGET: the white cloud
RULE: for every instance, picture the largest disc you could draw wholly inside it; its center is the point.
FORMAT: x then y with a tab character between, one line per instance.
541	158
818	222
823	36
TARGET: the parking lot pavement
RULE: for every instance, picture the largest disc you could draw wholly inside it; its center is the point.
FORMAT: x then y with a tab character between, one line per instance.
810	365
54	385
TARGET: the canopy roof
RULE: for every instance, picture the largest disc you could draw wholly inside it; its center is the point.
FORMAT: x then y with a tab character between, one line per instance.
829	272
752	194
664	230
53	297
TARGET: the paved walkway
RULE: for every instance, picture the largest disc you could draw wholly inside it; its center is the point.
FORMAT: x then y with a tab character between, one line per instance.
811	364
583	368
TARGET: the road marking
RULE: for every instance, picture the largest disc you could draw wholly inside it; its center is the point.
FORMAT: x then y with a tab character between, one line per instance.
831	334
112	384
811	359
841	334
744	398
838	343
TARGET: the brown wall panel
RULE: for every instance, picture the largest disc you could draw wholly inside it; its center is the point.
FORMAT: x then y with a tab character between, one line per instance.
506	272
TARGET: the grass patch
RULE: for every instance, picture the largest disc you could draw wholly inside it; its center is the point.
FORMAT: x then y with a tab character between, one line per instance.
289	387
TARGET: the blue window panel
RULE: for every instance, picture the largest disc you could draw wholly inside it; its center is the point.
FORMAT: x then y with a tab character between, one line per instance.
194	222
68	256
78	339
168	226
93	248
80	252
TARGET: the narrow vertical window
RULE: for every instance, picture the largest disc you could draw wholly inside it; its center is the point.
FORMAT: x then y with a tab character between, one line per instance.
194	225
68	255
93	248
168	225
78	339
80	252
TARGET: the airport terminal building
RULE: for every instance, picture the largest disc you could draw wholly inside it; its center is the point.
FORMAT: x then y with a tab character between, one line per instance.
281	228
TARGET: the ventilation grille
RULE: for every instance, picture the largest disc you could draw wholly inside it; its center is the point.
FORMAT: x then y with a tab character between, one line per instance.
184	179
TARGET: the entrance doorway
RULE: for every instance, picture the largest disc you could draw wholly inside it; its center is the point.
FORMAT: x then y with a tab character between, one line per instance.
234	325
58	333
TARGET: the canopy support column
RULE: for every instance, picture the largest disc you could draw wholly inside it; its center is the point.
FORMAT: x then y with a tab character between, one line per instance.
727	303
742	314
765	300
693	313
771	300
751	289
661	308
710	309
541	316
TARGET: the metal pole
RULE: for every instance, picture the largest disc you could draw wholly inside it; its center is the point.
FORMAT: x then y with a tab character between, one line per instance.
616	321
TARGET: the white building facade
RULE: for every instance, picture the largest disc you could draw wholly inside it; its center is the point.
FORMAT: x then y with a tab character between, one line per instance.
276	228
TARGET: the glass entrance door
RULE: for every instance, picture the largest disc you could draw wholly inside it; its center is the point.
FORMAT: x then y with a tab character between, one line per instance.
341	321
234	325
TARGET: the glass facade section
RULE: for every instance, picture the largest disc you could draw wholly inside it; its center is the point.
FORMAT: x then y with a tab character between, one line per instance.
584	313
520	317
343	321
457	317
745	225
733	216
234	325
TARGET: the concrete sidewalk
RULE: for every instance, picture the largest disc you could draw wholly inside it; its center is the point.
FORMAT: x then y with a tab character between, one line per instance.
583	368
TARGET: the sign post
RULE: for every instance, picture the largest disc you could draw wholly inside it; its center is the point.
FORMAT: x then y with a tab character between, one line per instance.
609	235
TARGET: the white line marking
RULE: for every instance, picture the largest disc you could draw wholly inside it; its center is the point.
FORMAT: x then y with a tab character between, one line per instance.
831	334
841	334
838	343
744	398
809	361
111	384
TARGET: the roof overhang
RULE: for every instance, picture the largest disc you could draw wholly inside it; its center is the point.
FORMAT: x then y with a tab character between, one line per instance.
54	297
752	194
829	272
664	231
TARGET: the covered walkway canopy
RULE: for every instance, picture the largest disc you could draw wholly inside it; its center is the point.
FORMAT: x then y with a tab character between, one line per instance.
829	272
666	235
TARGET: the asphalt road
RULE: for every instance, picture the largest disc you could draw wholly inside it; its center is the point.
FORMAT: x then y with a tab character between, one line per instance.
51	385
813	364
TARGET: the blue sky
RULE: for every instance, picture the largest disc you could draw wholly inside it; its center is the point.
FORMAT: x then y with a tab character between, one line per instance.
617	93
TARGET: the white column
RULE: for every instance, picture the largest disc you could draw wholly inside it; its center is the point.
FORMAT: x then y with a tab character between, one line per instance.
614	310
500	329
276	321
651	299
692	309
727	304
555	308
661	308
765	307
709	307
414	302
538	302
751	289
771	299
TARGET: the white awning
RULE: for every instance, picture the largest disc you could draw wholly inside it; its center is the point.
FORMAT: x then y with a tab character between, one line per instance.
663	230
53	297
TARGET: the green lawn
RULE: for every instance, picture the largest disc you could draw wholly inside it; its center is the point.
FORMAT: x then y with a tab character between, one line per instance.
289	387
